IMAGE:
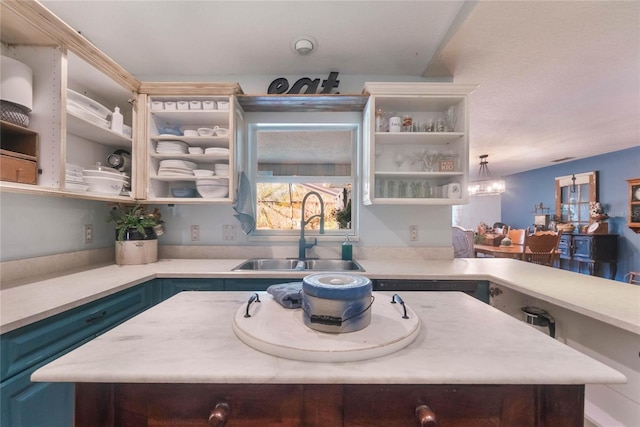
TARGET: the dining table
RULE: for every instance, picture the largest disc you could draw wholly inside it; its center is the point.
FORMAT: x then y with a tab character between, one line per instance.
512	251
500	251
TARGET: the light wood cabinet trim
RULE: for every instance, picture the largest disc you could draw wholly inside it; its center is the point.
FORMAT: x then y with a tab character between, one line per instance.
40	17
302	103
189	88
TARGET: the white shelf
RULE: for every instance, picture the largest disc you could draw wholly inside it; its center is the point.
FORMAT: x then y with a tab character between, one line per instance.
197	141
193	117
430	138
188	200
87	130
178	178
413	201
196	158
417	175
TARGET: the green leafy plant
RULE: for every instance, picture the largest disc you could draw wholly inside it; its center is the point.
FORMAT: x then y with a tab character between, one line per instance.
136	217
343	216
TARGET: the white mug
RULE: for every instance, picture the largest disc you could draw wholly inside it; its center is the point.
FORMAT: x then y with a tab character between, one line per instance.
453	190
395	124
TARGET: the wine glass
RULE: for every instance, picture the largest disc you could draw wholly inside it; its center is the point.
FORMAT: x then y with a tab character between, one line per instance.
399	159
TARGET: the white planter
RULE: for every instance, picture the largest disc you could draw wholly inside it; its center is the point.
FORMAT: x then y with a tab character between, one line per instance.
132	252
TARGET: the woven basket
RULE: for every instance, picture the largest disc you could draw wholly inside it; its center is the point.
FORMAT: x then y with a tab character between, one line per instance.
14	113
566	228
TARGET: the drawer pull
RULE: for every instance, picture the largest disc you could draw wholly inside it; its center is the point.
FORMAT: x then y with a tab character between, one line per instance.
95	317
426	416
255	297
220	415
396	299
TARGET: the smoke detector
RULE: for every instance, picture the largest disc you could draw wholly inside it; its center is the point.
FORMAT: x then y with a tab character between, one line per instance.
304	45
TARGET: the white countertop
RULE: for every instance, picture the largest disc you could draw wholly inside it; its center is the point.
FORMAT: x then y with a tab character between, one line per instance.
612	302
189	339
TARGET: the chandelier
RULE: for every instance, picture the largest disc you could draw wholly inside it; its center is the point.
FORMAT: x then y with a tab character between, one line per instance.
485	185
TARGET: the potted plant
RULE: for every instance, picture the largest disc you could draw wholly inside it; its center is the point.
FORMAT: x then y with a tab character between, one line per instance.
343	216
137	233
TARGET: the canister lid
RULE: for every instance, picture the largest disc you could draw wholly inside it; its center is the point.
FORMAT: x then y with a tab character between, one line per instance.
337	286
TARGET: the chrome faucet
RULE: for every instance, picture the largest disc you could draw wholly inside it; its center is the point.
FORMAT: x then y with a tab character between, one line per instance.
302	243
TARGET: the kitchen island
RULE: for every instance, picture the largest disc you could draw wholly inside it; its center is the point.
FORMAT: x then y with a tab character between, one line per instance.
596	316
180	362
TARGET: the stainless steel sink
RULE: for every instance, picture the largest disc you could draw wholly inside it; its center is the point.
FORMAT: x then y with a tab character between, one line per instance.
288	264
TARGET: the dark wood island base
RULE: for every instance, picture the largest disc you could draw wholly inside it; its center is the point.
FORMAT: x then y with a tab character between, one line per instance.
327	405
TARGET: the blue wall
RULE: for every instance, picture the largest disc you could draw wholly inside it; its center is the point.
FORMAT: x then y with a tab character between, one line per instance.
527	189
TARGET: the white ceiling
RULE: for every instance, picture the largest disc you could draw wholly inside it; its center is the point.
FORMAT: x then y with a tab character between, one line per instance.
556	78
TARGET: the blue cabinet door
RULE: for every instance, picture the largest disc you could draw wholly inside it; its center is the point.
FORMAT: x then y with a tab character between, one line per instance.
28	404
29	345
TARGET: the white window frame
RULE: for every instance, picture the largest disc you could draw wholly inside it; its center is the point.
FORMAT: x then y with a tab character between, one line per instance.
252	173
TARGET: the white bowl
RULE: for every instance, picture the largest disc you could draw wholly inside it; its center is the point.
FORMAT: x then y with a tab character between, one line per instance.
205	131
221	131
202	172
213	191
221	169
76	186
213	180
98	184
195	150
190	132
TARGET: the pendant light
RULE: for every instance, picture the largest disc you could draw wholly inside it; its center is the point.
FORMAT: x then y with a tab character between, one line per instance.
485	185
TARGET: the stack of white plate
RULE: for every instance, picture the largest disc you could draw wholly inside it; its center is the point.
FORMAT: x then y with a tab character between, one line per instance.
213	187
217	150
74	178
172	147
176	167
105	180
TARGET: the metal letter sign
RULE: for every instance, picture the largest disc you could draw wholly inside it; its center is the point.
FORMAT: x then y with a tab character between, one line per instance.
281	85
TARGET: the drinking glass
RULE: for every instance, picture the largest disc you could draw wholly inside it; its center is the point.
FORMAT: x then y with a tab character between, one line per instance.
450	119
402	189
391	189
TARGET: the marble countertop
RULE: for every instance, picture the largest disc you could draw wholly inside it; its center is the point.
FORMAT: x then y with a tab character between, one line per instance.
612	302
189	339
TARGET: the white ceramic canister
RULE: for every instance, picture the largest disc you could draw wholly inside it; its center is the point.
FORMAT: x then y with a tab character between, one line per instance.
395	124
336	302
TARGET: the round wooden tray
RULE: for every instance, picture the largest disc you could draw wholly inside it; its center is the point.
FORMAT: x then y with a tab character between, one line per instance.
281	332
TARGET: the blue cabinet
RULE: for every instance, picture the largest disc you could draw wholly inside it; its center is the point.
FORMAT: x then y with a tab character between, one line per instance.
24	350
171	287
23	403
253	284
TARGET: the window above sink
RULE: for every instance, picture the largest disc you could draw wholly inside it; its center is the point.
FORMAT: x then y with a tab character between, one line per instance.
285	161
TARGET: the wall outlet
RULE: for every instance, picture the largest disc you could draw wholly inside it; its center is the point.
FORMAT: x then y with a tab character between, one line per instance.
195	233
229	232
88	233
413	233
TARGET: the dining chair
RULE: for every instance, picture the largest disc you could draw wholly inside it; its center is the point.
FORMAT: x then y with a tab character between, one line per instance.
518	235
462	241
541	247
634	277
500	227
